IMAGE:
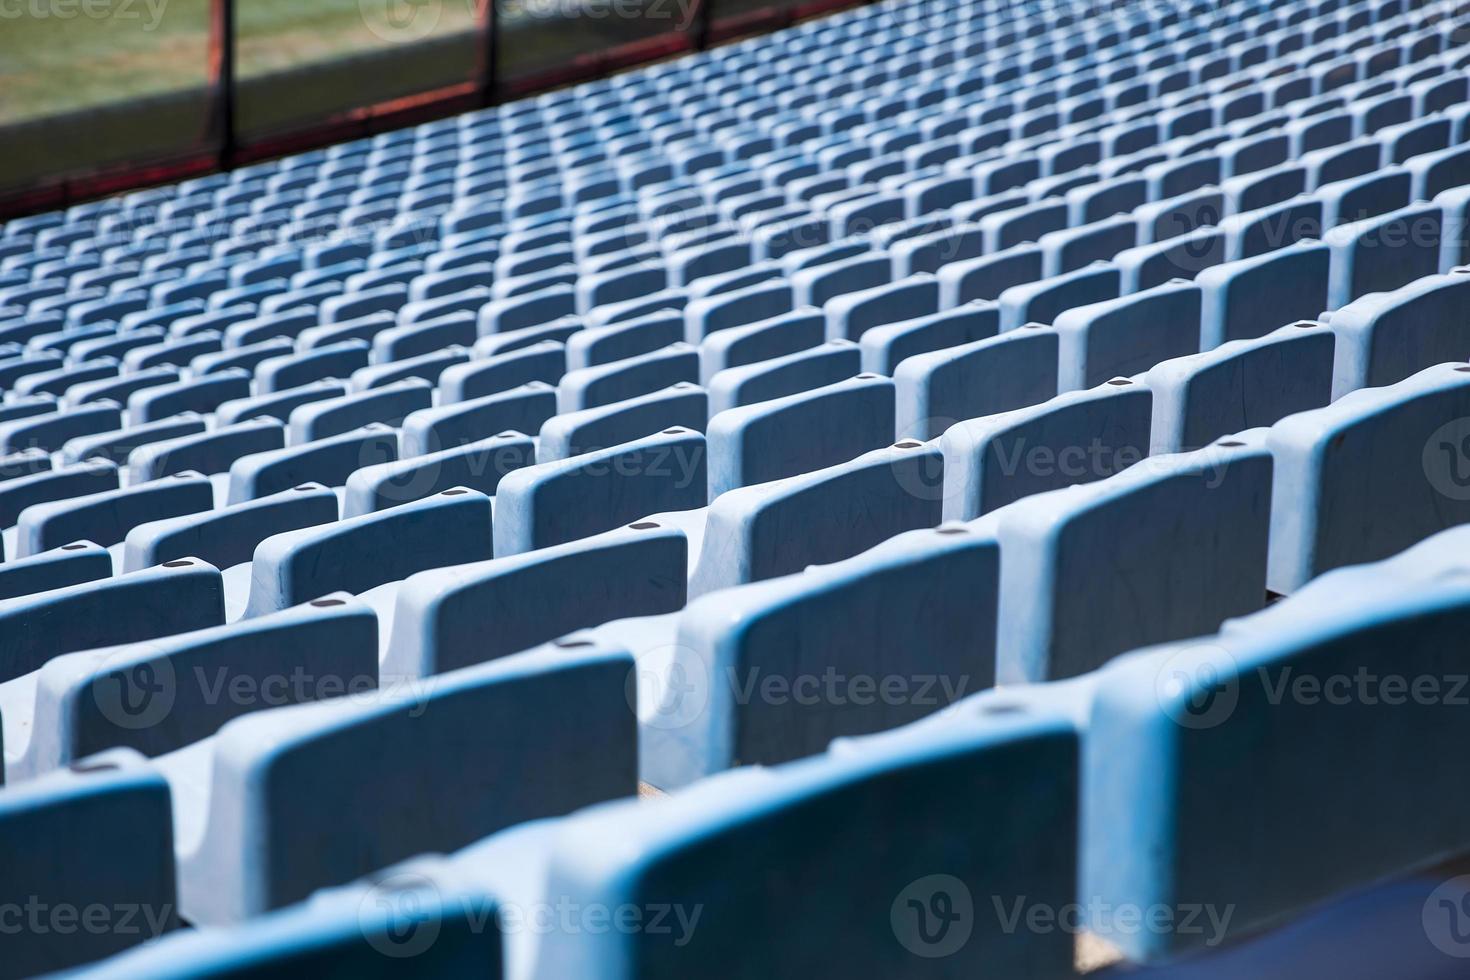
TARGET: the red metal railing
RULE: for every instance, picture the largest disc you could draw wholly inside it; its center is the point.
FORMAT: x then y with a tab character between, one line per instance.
224	147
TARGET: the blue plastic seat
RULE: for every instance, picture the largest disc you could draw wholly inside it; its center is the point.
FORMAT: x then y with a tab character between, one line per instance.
1127	336
107	517
563	500
1383	253
265	842
71	564
798	433
1240	384
1385	337
95	837
1194	554
174	597
470	614
327	461
226	536
1076	437
841	509
476	465
163	694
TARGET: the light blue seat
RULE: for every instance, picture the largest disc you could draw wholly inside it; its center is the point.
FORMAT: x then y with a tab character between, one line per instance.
1251	297
524	409
851	315
1240	384
96	837
1044	300
628	378
51	430
160	695
988	276
545	361
1248	192
202	395
425	335
555	502
784	333
610	313
107	517
682	405
685	857
708	315
643	335
1076	437
1439	171
884	347
841	510
997	374
1374	472
205	452
428	367
816	285
285	323
1252	233
502	315
116	446
71	564
560	331
1313	757
361	553
365	328
1179	541
388	405
117	388
327	461
1127	336
464	615
476	465
844	618
1383	253
1385	337
226	536
277	405
1181	257
834	361
798	433
1368	196
1161	220
175	597
243	358
1074	248
265	841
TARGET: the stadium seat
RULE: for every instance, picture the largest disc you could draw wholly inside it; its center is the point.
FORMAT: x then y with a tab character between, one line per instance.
253	835
972	380
1076	437
1383	462
1239	385
174	597
1194	554
682	405
1127	336
98	836
360	553
327	461
107	517
1252	297
555	502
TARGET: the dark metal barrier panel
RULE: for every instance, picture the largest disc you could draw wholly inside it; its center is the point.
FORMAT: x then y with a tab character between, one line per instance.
211	84
104	83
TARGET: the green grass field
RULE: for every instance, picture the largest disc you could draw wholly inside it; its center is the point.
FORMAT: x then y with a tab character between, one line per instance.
62	55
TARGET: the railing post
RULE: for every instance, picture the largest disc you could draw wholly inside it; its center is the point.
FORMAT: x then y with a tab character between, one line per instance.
699	21
222	80
488	81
